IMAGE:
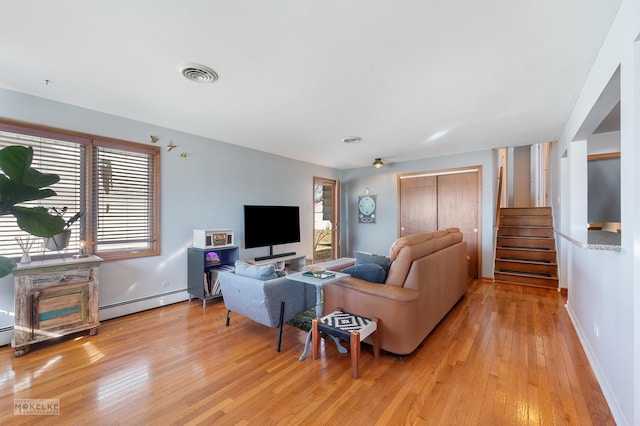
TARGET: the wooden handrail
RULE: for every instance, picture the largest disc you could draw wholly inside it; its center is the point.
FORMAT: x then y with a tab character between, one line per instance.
497	224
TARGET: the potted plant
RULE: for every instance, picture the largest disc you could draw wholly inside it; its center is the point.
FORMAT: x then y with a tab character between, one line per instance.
20	183
61	240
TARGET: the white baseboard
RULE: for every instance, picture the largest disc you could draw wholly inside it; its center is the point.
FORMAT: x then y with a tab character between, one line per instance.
608	393
120	309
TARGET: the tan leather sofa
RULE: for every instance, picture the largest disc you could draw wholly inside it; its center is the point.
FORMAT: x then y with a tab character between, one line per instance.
426	279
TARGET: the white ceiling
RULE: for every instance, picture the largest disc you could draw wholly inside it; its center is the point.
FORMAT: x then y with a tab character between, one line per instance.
413	79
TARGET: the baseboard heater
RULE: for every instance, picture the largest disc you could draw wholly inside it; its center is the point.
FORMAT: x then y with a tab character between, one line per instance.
141	299
116	305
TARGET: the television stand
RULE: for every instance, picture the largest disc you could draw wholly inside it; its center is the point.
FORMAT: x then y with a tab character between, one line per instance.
275	256
293	262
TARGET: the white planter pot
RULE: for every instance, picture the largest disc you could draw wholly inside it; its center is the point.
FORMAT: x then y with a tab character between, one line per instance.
58	242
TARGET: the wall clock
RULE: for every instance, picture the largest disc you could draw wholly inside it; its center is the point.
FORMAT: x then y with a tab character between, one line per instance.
367	209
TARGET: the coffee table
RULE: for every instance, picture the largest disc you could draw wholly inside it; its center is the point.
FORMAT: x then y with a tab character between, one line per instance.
318	283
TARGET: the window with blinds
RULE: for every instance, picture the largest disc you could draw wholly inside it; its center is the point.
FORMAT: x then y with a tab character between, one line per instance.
114	182
123	198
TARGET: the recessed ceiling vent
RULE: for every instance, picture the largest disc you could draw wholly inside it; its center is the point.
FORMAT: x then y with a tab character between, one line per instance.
198	73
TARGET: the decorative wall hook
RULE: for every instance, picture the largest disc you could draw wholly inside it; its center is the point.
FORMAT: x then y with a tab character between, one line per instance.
171	146
154	139
183	154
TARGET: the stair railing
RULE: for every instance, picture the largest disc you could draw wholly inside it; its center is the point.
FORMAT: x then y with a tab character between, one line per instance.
497	223
497	220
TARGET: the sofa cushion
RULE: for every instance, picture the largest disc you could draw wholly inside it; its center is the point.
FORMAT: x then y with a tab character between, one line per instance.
363	257
371	272
259	272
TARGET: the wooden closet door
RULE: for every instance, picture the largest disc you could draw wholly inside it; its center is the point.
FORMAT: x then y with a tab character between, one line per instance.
458	207
418	204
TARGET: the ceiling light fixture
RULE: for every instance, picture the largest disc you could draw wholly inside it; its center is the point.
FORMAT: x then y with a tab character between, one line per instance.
351	139
198	73
377	163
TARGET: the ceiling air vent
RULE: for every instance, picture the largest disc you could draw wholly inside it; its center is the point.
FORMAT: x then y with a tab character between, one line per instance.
198	73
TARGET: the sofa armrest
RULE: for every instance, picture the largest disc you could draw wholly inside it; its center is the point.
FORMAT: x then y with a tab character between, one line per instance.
333	265
391	292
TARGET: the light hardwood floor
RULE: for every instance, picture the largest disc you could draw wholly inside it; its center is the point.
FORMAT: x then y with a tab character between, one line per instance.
504	355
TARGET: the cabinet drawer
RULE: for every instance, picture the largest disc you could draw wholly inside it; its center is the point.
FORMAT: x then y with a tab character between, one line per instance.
59	277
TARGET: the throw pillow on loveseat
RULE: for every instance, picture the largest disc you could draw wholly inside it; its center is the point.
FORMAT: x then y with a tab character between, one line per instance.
371	272
369	266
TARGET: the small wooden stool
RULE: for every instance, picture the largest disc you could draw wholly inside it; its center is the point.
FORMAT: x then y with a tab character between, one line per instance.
349	327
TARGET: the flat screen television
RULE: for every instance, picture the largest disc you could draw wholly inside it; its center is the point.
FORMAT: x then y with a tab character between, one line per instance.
267	226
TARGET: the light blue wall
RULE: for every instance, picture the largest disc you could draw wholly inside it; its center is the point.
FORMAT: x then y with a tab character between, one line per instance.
378	237
206	190
604	286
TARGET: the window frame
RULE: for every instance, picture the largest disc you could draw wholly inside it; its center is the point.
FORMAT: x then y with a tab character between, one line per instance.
88	226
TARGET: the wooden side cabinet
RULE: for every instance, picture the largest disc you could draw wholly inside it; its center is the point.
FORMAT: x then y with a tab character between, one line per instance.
54	298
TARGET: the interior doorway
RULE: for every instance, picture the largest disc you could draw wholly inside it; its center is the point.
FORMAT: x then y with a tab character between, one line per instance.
525	176
326	214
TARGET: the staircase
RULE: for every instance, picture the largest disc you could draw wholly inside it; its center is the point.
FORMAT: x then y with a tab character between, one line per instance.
525	250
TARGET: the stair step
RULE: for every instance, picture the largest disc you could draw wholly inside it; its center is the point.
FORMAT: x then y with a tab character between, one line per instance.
526	279
527	242
510	220
526	211
526	254
525	231
525	251
546	269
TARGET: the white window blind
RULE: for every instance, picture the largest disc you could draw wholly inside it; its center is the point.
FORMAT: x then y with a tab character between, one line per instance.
123	199
114	182
49	156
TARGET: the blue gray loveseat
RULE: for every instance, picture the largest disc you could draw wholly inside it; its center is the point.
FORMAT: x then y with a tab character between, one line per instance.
265	295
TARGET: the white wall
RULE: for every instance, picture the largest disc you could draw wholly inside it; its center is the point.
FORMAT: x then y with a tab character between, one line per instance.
603	286
378	237
604	143
206	190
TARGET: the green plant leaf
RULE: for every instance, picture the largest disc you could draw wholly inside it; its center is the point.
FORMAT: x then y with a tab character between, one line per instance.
19	183
15	162
36	179
6	266
15	192
37	221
